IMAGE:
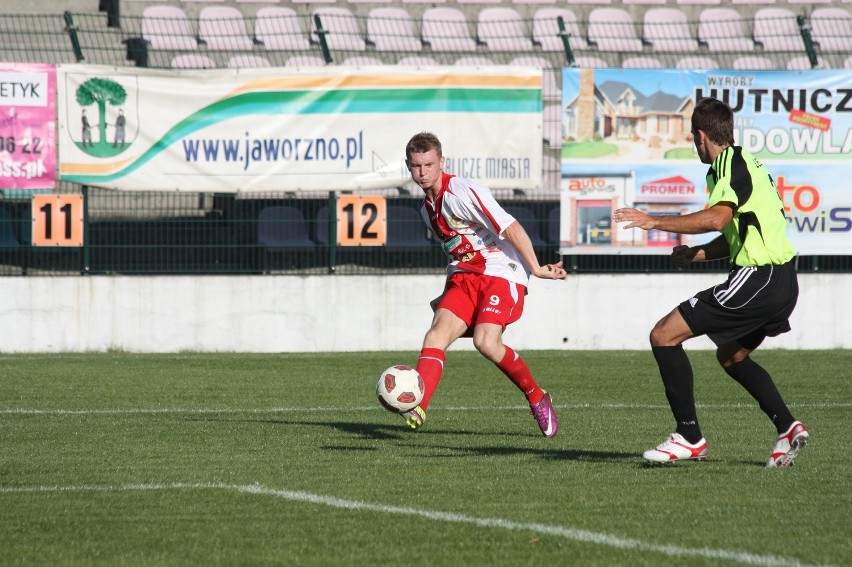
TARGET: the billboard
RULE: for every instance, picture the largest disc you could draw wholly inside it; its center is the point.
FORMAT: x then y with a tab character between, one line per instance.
284	130
27	126
627	142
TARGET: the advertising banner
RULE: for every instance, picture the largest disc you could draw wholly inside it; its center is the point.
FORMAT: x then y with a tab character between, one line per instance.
627	142
277	130
27	126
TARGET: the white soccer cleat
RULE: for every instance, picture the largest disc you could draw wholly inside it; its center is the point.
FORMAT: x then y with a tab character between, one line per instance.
676	448
787	446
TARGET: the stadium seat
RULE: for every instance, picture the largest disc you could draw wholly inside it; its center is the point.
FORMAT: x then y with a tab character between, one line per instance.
612	29
641	2
696	63
167	27
735	2
551	79
723	29
593	2
446	29
527	219
392	29
362	61
474	61
248	62
223	27
502	29
831	28
417	61
753	63
341	28
282	226
641	63
281	29
777	30
702	2
802	63
545	29
590	62
192	61
305	61
667	29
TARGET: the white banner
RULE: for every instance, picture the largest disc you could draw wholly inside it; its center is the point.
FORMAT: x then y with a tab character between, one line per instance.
277	130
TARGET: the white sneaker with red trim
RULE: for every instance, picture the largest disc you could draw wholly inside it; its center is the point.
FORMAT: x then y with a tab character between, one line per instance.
787	446
676	448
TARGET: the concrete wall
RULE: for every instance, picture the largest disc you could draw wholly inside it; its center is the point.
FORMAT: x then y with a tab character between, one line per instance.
363	313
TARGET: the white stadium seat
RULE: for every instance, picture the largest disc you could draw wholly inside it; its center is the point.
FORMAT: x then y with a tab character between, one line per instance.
502	29
777	30
279	28
167	27
723	29
341	28
546	32
223	27
667	29
832	29
392	29
446	29
612	29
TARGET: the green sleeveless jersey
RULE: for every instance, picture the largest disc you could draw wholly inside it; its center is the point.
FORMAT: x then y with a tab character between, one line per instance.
757	235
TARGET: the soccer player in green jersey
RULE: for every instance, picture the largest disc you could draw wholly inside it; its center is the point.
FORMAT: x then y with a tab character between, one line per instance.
754	303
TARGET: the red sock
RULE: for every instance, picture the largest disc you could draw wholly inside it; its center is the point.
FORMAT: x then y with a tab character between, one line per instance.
430	366
519	373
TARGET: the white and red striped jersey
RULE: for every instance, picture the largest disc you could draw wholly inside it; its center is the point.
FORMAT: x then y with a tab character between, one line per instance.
468	221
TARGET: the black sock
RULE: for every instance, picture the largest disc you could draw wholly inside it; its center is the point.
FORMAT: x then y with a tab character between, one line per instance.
757	381
677	378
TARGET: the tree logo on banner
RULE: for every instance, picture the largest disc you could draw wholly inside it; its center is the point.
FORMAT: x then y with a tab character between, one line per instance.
103	125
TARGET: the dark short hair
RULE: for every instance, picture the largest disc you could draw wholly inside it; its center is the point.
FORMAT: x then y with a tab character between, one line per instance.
422	143
716	119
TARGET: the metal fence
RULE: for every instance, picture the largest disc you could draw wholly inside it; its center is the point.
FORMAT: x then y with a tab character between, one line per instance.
206	233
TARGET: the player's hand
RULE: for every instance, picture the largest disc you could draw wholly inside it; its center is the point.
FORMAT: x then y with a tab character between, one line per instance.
637	219
682	256
552	272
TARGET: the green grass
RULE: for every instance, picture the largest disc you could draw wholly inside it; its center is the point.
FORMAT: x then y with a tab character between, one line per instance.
236	459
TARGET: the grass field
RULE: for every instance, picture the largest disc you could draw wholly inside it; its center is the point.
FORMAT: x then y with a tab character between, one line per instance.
235	459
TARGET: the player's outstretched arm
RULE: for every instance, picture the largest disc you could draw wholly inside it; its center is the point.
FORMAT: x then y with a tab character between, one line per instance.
518	237
708	220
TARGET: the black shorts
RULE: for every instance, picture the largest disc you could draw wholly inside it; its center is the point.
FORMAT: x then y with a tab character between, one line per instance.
755	303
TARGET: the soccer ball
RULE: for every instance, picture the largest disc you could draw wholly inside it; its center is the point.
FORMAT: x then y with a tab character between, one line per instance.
400	388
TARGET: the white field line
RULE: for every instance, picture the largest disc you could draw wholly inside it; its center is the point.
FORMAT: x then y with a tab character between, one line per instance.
337	409
574	534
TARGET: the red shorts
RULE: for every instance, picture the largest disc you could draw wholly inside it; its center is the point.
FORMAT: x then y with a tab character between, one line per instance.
477	298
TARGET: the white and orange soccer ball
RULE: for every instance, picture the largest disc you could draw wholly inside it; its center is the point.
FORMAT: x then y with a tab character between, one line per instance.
400	388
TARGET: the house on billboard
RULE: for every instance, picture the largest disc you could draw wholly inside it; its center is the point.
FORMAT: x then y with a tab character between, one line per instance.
642	126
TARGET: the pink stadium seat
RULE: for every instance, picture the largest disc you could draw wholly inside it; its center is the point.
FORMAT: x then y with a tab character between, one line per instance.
392	29
545	29
474	61
502	29
832	29
667	29
223	27
280	28
612	29
753	63
248	62
417	61
305	61
446	29
341	28
697	63
641	63
723	29
362	61
167	27
588	62
777	30
192	61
